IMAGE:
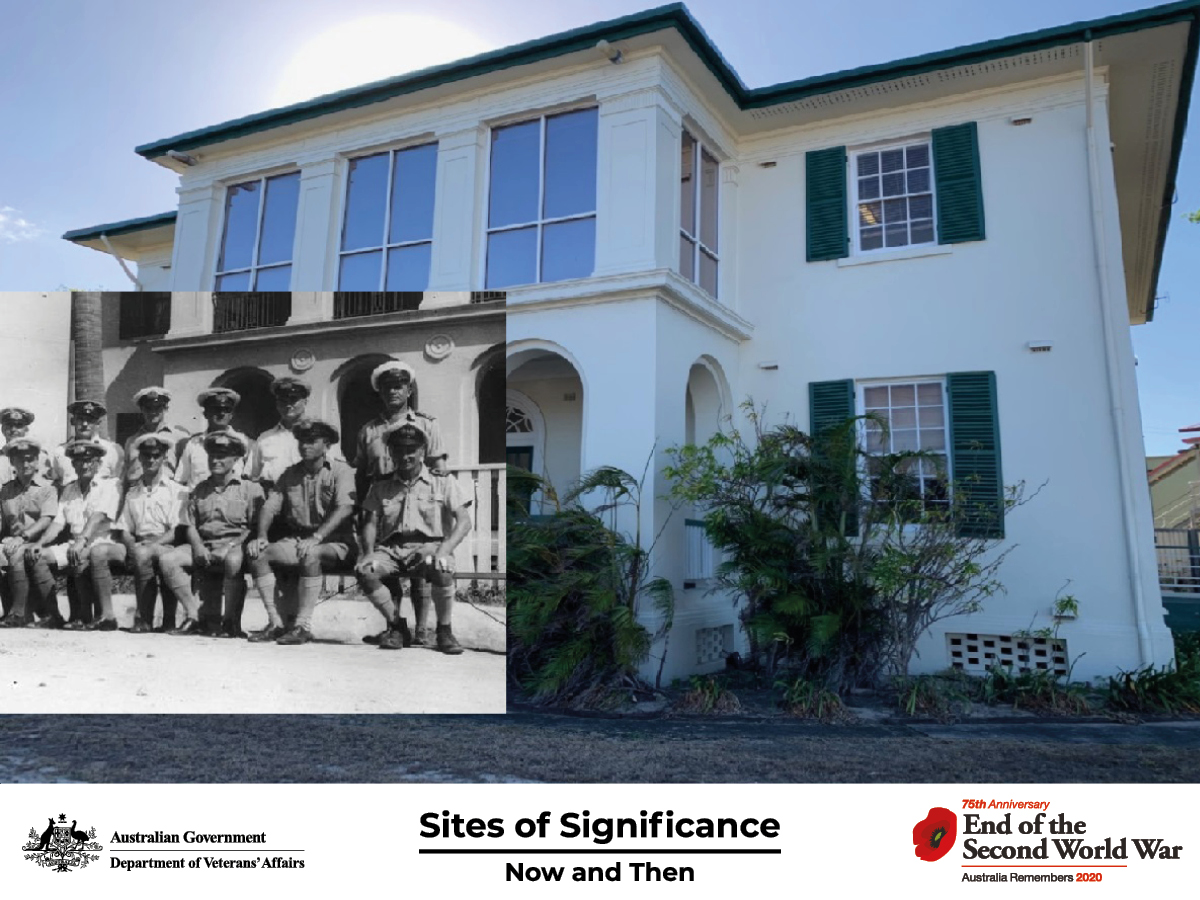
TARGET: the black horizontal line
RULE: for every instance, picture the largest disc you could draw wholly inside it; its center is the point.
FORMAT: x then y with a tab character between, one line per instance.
643	850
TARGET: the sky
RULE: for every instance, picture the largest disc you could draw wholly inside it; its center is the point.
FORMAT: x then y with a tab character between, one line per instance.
82	83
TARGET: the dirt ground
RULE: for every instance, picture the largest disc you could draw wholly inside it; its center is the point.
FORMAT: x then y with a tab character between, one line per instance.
116	672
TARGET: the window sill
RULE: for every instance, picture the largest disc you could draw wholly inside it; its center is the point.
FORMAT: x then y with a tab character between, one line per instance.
888	255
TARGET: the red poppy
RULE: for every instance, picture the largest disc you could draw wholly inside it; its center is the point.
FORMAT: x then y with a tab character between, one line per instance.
935	834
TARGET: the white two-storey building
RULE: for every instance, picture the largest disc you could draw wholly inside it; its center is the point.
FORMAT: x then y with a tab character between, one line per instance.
958	241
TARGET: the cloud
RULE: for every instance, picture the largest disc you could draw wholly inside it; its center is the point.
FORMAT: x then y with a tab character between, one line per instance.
14	227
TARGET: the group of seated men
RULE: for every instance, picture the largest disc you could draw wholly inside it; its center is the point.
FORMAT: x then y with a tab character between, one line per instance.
218	506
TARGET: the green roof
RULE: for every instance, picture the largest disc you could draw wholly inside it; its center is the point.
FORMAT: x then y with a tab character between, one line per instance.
126	226
674	16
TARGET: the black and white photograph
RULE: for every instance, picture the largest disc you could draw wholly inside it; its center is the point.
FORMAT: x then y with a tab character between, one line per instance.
253	502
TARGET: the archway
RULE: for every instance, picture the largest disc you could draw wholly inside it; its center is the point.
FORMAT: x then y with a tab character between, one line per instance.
544	421
357	401
256	412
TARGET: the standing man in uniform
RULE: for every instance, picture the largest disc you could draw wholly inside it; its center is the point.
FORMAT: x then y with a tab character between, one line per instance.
147	529
86	512
152	403
219	516
415	518
28	504
312	505
218	405
395	383
85	422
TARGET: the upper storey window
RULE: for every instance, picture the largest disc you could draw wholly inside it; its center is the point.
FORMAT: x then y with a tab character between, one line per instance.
894	197
698	215
387	233
542	200
260	228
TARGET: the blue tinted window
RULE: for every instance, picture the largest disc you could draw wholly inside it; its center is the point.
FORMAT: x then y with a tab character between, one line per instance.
241	224
366	197
360	272
569	250
408	268
279	219
276	278
413	186
237	282
570	164
512	258
513	194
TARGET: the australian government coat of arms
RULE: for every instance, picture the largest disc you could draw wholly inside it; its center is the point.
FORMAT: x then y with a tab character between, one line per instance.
61	847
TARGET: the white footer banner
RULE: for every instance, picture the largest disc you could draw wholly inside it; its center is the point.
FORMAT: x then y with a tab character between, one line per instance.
526	840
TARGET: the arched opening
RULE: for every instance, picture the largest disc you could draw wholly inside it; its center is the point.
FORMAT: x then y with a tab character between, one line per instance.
544	415
703	403
357	401
489	396
256	411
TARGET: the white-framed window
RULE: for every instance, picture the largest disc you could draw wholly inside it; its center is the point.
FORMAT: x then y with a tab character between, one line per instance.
259	231
908	416
698	178
541	223
892	200
387	227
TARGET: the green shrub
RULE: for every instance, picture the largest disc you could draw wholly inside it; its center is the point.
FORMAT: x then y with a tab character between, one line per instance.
709	694
1037	691
1171	689
808	700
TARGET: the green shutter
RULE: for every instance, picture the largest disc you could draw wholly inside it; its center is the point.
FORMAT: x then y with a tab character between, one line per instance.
959	189
830	404
975	452
825	193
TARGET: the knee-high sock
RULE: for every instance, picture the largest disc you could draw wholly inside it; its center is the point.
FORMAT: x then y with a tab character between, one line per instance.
308	595
234	587
443	603
266	590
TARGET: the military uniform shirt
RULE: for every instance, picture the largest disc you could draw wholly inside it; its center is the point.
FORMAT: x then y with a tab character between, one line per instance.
372	451
220	510
173	434
152	511
111	465
75	507
424	507
302	501
26	507
193	458
275	450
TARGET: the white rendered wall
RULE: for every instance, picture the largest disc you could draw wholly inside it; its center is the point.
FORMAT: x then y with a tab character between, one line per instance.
35	354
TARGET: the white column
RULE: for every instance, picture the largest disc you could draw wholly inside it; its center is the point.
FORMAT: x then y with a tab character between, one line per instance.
314	253
309	307
457	220
442	299
197	230
726	234
191	313
637	150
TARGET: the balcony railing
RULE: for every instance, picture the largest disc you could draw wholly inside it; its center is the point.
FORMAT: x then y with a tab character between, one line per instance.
243	312
487	296
484	549
354	304
1178	551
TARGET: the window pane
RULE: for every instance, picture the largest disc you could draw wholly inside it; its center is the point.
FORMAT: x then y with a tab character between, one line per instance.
569	250
918	156
279	219
708	200
687	258
512	258
871	238
932	417
513	193
571	164
708	273
918	181
929	394
893	160
360	272
365	199
922	232
277	278
903	439
893	185
868	164
868	188
921	207
895	211
896	235
904	417
903	395
408	268
933	440
413	185
687	184
875	397
870	214
238	282
241	223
